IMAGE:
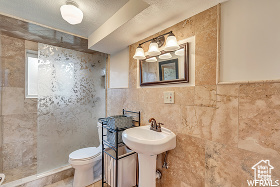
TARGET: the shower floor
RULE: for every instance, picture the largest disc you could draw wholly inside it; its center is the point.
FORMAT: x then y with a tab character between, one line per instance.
20	172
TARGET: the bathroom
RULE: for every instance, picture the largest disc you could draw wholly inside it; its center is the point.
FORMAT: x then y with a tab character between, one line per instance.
224	113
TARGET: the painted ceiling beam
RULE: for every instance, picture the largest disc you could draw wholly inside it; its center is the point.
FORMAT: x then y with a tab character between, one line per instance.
123	15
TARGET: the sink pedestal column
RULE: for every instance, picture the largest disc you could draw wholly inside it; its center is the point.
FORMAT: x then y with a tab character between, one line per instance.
147	170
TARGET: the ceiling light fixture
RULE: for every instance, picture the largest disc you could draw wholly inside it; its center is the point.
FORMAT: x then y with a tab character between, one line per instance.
71	13
171	45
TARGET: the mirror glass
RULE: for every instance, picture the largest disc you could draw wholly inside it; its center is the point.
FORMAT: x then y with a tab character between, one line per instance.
168	67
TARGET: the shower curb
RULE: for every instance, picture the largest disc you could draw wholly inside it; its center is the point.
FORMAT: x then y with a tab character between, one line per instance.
43	179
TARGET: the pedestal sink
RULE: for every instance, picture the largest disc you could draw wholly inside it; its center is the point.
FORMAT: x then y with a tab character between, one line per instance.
148	144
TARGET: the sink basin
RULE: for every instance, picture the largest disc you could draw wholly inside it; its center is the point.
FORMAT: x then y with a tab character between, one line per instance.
145	141
148	144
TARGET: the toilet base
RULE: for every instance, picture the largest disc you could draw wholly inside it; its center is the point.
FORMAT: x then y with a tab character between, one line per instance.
83	176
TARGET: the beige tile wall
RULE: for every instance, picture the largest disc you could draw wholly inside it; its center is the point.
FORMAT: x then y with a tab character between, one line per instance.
222	130
19	115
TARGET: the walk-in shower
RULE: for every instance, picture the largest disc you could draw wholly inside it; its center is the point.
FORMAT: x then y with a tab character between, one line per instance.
37	134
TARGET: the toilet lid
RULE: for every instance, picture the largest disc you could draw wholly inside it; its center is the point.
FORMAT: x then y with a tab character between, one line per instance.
85	153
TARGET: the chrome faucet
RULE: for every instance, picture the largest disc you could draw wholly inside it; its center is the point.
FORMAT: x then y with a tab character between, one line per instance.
154	125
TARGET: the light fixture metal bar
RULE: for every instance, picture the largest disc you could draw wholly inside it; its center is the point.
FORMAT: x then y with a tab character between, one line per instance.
155	38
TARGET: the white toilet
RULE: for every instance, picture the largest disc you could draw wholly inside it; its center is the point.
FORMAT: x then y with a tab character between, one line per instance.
84	160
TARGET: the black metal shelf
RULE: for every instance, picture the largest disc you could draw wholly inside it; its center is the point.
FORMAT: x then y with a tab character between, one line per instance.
136	119
112	146
118	129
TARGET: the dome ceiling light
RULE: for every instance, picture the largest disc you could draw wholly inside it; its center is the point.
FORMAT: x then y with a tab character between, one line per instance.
71	13
171	45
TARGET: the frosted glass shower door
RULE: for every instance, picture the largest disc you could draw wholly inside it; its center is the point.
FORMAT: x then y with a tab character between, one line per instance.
70	100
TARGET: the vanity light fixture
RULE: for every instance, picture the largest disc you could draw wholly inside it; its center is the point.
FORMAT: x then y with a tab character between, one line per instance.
153	59
71	13
165	56
153	49
171	45
180	52
139	54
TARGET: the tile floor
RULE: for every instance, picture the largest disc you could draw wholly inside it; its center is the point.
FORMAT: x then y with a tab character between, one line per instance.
68	183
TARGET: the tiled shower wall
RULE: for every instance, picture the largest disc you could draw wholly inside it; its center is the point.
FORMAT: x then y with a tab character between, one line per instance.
222	130
19	115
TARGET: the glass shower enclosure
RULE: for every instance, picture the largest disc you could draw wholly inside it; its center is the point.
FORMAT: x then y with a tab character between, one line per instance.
71	98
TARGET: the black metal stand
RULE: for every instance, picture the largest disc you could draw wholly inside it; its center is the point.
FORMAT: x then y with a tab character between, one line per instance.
136	119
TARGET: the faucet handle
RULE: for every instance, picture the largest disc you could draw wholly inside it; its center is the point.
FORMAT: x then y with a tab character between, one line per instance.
159	127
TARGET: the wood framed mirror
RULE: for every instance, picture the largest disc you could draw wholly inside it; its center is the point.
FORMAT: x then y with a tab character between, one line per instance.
170	67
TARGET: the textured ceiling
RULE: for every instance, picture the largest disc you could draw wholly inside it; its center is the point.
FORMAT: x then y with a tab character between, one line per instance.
160	15
47	12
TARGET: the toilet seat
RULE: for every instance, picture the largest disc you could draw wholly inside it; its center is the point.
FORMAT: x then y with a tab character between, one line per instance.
84	155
